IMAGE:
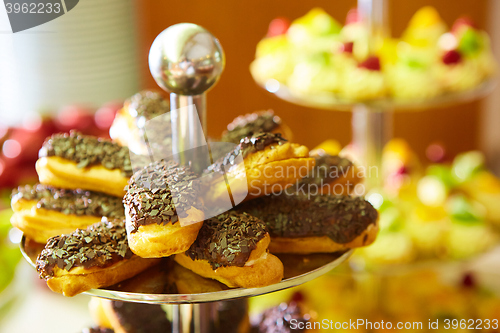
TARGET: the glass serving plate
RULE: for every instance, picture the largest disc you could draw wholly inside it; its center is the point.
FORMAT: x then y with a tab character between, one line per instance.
152	285
331	101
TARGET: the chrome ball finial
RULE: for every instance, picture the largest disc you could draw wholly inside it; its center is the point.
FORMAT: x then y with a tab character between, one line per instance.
186	59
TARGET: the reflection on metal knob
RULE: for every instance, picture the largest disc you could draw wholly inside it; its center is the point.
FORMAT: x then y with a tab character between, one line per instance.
186	59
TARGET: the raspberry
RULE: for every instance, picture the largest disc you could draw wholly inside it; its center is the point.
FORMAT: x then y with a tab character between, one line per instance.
452	57
371	63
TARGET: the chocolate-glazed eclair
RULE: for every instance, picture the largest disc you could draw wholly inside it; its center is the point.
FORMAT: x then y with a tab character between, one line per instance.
270	164
331	175
43	211
128	317
76	161
98	256
306	224
253	123
157	196
232	248
128	126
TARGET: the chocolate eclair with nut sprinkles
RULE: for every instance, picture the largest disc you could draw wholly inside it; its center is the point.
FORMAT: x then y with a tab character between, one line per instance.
77	161
232	248
304	224
162	209
98	256
252	123
261	164
42	211
131	317
332	174
128	128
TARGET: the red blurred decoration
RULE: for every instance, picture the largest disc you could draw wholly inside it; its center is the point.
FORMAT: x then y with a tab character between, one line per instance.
19	146
278	26
469	281
347	47
372	63
404	170
352	16
452	57
436	152
463	21
297	297
11	148
105	115
74	117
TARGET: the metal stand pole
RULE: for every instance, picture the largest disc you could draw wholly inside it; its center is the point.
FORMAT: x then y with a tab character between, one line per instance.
213	317
371	129
188	117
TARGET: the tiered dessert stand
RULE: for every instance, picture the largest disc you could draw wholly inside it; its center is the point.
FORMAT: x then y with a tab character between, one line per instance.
372	123
186	60
372	120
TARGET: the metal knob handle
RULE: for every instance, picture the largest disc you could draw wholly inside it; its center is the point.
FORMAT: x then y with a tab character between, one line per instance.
186	60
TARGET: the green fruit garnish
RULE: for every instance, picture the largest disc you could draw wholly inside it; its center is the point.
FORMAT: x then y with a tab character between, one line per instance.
415	64
470	43
443	173
464	211
467	165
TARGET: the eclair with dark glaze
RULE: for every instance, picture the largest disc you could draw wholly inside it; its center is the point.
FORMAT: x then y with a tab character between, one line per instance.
128	128
332	174
43	211
253	123
129	317
260	165
98	256
76	161
232	248
157	197
305	224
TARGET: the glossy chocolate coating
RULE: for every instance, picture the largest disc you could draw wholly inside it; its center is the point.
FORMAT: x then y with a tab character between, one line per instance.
88	150
341	218
76	202
100	245
327	169
250	124
149	198
227	239
141	318
257	142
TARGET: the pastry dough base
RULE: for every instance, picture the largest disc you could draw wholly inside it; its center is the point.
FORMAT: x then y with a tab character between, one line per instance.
266	171
79	279
62	173
323	244
40	224
265	269
156	241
